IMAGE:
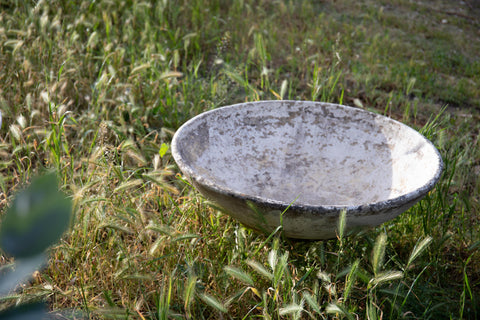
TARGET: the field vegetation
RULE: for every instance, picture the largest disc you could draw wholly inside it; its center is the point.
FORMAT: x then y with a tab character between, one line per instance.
96	89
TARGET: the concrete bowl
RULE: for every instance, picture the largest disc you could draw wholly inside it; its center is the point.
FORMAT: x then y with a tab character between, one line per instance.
300	163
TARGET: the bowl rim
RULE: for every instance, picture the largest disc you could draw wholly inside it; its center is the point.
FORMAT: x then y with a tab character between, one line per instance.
373	207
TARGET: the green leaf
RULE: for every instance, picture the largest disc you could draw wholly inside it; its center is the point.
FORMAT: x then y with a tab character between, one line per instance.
372	309
24	268
163	150
37	218
36	310
305	276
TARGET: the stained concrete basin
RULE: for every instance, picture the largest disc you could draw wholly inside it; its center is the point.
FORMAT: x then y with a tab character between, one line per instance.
301	163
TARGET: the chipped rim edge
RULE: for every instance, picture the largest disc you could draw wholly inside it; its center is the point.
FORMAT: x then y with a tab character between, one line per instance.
371	208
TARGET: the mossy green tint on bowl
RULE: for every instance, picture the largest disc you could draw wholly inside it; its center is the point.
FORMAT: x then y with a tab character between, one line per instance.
316	159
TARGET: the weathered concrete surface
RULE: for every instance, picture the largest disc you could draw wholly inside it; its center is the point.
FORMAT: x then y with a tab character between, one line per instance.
256	159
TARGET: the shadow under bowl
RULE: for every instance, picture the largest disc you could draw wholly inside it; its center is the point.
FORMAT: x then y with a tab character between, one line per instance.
300	163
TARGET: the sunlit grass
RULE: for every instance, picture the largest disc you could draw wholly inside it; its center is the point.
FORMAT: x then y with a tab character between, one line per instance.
96	90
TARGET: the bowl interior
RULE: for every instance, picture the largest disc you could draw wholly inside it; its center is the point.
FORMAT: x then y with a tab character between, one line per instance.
309	153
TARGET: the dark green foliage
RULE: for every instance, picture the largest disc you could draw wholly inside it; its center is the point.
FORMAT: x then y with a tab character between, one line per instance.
33	311
37	219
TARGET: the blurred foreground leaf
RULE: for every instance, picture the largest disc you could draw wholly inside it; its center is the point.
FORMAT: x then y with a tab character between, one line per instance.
23	269
37	219
25	312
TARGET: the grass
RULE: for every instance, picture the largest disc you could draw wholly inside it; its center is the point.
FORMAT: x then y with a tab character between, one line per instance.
96	89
